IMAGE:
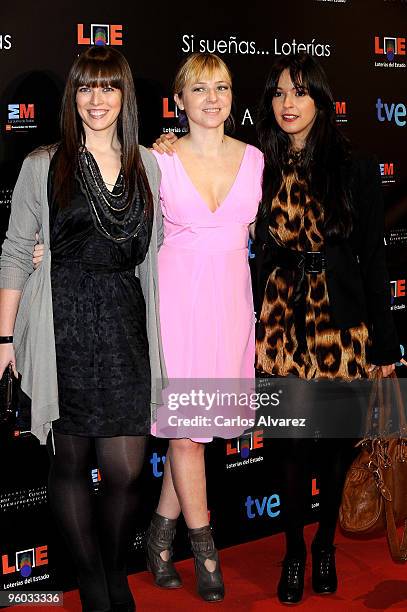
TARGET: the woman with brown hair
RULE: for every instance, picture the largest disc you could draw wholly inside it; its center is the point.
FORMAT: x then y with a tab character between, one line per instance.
82	343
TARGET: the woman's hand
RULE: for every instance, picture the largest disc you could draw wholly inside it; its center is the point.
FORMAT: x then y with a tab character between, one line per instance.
38	254
387	369
165	143
7	356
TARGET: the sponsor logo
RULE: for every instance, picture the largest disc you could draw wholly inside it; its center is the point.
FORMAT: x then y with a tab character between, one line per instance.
389	46
398	291
170	109
233	45
387	173
20	117
391	111
24	561
23	499
99	34
269	507
5	42
244	450
314	493
396	237
96	477
243	445
341	111
157	462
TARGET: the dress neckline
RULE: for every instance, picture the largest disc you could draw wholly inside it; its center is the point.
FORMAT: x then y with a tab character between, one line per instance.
231	189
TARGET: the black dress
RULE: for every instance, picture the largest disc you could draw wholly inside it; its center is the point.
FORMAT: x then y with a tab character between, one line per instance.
99	311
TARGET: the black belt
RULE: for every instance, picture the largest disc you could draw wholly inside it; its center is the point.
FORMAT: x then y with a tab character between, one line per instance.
302	262
310	262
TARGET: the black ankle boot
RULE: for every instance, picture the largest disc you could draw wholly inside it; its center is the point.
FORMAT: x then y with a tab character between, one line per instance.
324	579
159	538
291	585
209	584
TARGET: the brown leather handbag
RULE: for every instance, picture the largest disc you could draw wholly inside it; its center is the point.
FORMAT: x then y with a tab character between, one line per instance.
374	499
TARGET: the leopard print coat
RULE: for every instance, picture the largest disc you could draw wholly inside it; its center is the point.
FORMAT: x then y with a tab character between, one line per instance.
285	344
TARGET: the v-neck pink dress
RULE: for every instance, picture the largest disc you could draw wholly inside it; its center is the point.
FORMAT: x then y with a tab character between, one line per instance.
206	302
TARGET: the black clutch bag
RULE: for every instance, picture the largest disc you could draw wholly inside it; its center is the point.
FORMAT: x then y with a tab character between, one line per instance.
7	405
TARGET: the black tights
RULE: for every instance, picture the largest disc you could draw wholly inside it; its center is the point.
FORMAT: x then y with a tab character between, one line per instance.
332	459
100	562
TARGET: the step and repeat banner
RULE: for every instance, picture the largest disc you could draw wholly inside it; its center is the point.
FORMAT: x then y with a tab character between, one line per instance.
362	46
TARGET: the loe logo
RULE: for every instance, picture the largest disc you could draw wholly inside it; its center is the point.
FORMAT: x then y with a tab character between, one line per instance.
245	444
20	111
391	112
398	288
170	109
100	34
264	506
389	46
24	561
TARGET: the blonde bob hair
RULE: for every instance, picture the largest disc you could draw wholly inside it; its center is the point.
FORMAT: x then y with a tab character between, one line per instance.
192	68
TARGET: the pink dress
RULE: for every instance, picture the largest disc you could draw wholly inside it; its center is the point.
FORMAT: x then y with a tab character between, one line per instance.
206	302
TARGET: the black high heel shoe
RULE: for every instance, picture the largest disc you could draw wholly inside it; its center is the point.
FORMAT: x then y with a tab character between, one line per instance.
160	536
324	578
291	585
209	584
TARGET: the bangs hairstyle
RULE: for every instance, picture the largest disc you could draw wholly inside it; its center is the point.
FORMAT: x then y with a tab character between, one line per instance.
192	69
100	66
326	151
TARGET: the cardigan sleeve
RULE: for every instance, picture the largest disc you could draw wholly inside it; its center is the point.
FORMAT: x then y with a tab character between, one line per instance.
385	348
25	220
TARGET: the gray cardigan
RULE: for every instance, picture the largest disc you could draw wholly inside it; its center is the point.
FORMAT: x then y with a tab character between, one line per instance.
34	340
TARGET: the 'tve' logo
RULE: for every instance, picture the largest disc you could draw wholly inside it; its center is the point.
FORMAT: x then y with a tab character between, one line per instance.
20	111
155	461
392	111
100	34
259	506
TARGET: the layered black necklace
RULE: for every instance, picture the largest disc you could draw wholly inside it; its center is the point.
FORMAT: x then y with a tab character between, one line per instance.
114	214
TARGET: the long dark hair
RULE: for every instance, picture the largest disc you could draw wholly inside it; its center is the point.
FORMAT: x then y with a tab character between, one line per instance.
100	66
326	152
